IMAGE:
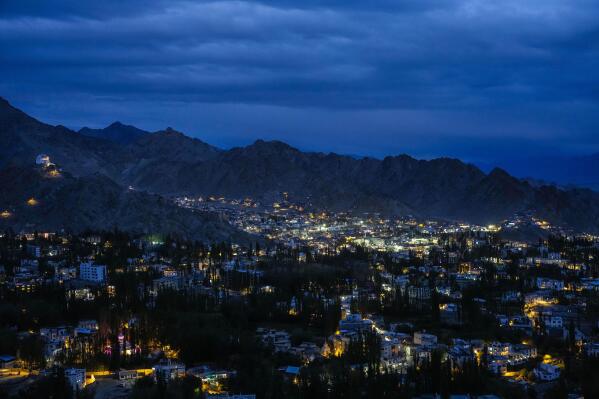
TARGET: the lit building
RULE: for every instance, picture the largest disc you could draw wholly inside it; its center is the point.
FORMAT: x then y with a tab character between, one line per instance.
91	272
75	378
42	160
169	370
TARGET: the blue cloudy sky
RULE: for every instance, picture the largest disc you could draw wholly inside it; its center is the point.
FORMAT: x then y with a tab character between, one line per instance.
476	79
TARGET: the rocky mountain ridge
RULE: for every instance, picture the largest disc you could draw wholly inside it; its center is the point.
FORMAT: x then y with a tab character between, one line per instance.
170	163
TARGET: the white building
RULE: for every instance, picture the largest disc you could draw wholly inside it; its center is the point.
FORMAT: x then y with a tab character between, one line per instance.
592	349
497	365
390	349
54	333
279	340
42	160
166	283
75	378
546	372
92	272
169	370
355	322
549	284
422	338
88	324
552	321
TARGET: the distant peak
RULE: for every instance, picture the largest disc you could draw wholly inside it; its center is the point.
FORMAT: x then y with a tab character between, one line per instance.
172	134
170	130
498	172
6	106
404	157
116	132
271	143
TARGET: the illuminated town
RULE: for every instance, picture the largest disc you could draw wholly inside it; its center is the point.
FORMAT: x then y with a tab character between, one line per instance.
320	301
278	199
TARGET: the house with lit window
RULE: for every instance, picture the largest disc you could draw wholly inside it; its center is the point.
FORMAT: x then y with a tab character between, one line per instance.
168	370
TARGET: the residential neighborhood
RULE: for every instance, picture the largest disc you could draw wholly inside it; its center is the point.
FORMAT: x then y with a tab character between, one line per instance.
419	307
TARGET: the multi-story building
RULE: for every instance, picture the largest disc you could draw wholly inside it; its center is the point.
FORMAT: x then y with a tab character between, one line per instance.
91	272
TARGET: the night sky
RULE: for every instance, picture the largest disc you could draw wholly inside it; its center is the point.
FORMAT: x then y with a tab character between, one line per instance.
479	80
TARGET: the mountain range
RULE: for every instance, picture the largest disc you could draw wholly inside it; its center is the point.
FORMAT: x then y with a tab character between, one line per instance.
566	171
168	163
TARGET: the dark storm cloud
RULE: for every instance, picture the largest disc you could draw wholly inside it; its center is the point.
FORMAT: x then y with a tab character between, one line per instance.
430	77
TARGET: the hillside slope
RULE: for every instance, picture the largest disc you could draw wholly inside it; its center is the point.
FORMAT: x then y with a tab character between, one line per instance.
170	163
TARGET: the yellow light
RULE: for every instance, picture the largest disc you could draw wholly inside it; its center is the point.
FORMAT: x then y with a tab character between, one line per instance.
32	202
5	214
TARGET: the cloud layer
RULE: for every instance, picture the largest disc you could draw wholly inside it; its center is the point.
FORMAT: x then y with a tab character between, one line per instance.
427	77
